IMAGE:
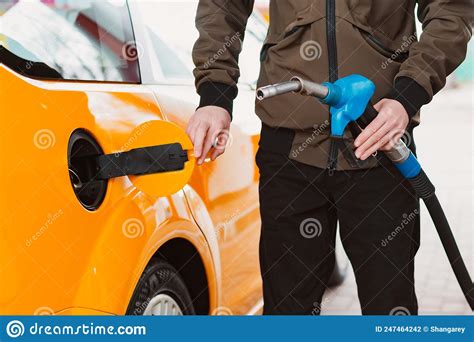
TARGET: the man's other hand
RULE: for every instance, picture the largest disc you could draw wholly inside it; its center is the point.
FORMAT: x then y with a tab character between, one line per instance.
386	129
208	129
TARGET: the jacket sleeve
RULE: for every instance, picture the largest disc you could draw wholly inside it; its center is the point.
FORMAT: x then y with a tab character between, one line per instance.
221	25
441	48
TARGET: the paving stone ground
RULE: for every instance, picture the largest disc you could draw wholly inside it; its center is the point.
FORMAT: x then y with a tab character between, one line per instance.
445	148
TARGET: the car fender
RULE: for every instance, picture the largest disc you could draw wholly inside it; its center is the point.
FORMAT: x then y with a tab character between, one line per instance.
130	237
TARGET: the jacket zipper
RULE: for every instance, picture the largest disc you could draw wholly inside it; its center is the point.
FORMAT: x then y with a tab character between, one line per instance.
333	72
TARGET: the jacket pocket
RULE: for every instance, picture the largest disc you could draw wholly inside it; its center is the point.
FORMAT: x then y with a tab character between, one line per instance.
362	55
302	19
397	56
272	41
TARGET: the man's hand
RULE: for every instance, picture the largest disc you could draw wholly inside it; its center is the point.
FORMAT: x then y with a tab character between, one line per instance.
384	131
209	128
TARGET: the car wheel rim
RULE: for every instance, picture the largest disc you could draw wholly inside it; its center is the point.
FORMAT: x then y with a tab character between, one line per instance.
163	305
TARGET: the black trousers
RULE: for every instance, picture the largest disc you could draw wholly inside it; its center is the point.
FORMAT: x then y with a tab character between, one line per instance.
378	215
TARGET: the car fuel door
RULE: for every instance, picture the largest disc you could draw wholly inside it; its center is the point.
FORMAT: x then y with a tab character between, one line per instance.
156	159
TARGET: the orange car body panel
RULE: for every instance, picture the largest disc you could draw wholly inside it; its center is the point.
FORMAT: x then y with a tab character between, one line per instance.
223	197
55	254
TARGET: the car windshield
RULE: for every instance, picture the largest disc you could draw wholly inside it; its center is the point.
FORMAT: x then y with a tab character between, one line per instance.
173	34
89	40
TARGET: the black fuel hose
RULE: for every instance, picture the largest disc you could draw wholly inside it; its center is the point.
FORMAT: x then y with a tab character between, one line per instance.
426	191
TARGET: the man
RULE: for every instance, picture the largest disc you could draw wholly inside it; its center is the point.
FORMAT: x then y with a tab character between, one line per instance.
306	186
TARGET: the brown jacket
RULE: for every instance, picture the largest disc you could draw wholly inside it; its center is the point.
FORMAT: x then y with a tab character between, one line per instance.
322	40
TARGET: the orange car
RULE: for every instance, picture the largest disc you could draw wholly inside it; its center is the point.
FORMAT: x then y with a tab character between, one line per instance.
102	210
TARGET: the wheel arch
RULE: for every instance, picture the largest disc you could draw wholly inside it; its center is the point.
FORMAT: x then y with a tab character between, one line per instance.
177	241
185	257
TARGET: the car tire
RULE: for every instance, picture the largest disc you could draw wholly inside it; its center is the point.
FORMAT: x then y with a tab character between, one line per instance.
160	291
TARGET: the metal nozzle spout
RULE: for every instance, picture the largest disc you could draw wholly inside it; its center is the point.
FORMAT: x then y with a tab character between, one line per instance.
278	89
297	85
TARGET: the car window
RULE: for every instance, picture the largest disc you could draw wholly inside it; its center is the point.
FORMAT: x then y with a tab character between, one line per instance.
172	65
171	25
88	40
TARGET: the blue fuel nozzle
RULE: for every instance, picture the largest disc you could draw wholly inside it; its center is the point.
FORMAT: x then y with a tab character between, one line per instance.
347	98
